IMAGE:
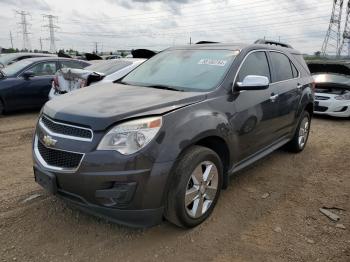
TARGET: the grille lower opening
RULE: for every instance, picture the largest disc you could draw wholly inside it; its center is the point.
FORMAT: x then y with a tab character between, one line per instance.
58	158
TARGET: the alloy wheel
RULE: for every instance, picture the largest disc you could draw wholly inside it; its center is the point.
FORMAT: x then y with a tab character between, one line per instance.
201	190
303	132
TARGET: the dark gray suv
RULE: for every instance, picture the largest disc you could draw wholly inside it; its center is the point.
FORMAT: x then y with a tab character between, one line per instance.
163	141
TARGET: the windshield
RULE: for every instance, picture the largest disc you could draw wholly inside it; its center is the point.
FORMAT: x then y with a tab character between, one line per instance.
15	68
187	70
108	67
7	58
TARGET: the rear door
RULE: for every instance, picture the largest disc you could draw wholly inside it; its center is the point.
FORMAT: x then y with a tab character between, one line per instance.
288	87
254	121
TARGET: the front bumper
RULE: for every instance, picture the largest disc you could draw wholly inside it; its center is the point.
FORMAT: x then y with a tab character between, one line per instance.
332	107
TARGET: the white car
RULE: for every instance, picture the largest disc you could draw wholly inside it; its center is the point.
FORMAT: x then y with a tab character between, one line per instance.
106	71
332	88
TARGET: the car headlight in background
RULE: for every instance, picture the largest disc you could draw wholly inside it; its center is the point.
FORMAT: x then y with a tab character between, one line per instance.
343	97
130	137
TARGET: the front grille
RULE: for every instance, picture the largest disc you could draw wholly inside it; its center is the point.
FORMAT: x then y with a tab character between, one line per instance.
322	98
320	108
60	159
64	129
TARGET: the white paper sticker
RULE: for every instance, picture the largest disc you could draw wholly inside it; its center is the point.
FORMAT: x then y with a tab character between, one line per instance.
213	62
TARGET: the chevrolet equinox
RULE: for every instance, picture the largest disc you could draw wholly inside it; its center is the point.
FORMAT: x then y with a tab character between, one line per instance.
163	141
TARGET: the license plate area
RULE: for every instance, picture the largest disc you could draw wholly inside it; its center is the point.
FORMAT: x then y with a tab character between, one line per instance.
46	180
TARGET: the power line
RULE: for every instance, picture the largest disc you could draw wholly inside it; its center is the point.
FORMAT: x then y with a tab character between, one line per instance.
24	29
52	27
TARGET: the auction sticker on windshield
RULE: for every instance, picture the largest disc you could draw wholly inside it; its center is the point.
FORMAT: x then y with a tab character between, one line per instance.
213	62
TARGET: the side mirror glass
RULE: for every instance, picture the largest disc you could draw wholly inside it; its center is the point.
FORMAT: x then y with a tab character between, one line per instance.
28	74
253	82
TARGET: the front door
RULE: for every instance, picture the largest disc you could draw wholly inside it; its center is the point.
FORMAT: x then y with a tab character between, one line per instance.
256	111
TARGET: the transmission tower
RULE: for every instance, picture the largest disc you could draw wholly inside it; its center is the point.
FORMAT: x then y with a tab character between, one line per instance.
345	45
332	40
24	29
52	27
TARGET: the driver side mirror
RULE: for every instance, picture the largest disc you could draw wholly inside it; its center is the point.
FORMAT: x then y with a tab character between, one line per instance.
28	74
253	82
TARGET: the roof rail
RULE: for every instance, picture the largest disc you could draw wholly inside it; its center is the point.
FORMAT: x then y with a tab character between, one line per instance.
271	42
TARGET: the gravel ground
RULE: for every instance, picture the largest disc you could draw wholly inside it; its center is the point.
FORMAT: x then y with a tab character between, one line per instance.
270	212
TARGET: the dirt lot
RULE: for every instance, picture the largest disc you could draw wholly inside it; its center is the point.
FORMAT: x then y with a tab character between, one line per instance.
245	226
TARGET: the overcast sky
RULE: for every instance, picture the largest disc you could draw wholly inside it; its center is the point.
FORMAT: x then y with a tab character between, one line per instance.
157	24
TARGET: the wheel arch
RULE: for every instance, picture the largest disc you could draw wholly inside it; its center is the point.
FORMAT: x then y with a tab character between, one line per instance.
220	147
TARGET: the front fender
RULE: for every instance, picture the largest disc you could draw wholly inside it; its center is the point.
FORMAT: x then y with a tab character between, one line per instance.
187	126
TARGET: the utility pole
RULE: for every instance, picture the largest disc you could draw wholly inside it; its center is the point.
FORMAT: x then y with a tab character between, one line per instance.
346	34
333	37
41	44
11	39
96	47
24	29
52	27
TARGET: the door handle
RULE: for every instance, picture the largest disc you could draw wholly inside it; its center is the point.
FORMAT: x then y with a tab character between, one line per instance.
273	97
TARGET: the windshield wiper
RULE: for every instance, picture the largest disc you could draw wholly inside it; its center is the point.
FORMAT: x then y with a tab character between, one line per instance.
165	87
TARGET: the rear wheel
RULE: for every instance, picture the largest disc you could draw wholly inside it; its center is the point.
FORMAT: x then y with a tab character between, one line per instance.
301	136
196	186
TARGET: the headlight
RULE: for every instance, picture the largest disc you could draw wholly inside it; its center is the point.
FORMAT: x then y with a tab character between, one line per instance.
132	136
343	97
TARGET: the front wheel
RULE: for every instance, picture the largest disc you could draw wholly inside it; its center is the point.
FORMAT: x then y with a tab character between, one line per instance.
301	136
196	186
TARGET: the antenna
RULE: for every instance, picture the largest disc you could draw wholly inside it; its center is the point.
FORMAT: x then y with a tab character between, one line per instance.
333	36
346	33
24	29
52	27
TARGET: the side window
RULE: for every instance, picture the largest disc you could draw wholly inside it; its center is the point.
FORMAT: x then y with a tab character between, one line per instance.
282	66
44	69
294	70
71	64
255	64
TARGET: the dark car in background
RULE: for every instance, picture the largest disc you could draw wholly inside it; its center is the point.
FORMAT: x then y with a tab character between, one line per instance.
163	141
9	59
27	83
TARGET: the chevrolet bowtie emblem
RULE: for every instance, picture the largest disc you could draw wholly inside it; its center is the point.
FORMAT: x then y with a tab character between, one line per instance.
49	141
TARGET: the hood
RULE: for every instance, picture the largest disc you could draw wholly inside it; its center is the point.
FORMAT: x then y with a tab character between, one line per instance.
101	106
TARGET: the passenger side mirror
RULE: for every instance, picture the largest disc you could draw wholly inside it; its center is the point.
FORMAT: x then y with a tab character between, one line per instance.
28	74
252	82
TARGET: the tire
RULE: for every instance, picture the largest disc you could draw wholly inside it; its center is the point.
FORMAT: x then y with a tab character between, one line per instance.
301	136
201	188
